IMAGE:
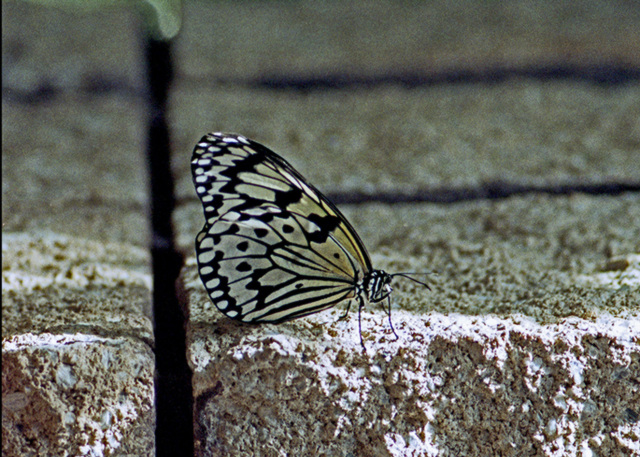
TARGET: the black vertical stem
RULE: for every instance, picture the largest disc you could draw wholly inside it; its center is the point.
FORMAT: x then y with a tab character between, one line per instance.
174	413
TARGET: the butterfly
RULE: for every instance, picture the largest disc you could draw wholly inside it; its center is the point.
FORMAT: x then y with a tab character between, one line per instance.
274	248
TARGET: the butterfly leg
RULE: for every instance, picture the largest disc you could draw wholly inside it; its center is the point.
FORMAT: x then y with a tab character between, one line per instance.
346	313
389	314
360	306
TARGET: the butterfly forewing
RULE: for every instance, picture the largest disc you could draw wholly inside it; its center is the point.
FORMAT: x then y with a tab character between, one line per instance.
273	248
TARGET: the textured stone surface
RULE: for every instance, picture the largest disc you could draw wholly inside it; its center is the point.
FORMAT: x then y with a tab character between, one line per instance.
49	49
76	394
77	359
54	283
527	344
237	41
451	385
77	335
75	167
546	257
527	133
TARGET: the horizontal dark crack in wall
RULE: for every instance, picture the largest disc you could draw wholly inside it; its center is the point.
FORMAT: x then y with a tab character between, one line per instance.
92	85
606	75
494	190
96	84
486	191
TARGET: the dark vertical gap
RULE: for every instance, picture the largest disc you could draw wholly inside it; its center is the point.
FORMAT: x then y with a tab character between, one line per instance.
174	413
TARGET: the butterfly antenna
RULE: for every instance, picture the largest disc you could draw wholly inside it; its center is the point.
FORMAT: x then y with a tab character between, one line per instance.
406	275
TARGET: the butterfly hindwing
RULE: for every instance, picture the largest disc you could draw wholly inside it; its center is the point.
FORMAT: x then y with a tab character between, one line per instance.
273	248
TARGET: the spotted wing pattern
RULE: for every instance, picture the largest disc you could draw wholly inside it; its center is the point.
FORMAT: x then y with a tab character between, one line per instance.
272	248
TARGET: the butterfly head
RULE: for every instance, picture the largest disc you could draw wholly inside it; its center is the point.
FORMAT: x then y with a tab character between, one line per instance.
378	285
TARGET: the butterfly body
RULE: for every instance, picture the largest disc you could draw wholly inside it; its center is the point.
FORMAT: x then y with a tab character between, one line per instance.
273	248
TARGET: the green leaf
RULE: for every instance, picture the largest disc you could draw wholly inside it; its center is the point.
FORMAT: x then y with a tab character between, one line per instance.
163	19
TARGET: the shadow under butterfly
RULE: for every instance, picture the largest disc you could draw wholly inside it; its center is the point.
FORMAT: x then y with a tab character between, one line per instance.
273	248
